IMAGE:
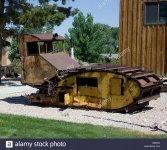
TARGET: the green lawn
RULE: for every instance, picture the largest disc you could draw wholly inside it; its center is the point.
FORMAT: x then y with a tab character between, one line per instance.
27	127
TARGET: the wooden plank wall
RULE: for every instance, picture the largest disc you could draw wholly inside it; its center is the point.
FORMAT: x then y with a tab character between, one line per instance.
147	44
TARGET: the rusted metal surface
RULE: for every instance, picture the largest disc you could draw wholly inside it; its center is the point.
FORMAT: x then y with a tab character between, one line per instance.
59	78
148	89
142	75
39	61
98	68
152	79
145	79
142	82
60	61
130	70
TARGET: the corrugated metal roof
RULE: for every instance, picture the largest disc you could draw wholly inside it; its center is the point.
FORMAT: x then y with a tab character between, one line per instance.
48	37
60	61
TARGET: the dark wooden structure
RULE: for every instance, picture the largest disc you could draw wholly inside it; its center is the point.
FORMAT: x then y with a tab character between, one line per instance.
143	31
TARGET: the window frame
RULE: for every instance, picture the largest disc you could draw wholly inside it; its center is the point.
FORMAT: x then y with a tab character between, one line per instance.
45	44
158	17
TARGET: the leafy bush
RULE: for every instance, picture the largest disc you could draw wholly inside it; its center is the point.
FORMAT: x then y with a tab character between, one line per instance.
17	65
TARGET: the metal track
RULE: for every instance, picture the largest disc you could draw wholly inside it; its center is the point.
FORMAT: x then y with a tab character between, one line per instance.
149	83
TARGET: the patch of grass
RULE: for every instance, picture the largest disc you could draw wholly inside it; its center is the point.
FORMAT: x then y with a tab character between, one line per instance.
26	127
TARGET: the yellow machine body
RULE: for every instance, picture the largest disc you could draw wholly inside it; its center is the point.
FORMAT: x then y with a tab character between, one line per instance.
110	91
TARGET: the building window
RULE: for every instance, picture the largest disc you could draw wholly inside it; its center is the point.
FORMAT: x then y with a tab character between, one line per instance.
91	82
163	12
156	13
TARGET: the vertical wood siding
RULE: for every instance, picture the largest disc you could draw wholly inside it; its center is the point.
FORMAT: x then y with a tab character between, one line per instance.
147	43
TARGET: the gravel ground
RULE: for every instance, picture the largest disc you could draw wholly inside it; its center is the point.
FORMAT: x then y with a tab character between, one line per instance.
152	119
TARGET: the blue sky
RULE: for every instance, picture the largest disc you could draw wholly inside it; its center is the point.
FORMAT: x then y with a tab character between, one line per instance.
103	11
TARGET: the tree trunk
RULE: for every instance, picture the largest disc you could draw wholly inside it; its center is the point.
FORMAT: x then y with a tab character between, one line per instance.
1	28
1	46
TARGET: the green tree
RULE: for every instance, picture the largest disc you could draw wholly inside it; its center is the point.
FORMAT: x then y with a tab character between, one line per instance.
110	38
85	38
14	51
21	15
91	39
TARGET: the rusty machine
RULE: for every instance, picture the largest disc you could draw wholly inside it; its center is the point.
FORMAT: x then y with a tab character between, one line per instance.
63	82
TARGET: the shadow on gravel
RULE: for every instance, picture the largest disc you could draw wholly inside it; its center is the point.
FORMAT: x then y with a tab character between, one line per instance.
11	79
16	100
22	100
155	128
10	82
19	100
141	110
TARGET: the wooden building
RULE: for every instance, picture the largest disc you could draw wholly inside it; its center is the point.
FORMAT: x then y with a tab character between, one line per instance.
143	34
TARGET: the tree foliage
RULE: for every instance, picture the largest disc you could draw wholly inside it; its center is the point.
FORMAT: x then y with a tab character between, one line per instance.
14	51
110	38
85	38
90	40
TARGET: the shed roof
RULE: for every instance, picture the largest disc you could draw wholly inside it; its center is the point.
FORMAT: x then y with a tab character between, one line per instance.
48	37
